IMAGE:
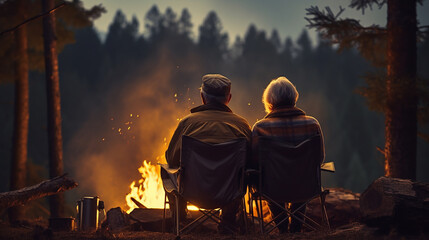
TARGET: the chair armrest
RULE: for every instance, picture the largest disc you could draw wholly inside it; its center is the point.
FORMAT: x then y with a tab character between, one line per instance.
168	169
328	166
169	178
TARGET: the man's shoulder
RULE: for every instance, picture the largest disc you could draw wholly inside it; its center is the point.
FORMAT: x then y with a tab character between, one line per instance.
239	118
216	116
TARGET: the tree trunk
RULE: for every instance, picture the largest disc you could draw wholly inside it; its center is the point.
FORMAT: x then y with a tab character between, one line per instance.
21	118
56	202
401	109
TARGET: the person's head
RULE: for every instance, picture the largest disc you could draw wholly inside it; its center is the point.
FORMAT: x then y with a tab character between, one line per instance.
279	93
215	88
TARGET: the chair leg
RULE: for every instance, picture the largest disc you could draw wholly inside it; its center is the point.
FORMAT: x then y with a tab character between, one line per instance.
177	217
244	214
163	216
325	219
261	214
250	198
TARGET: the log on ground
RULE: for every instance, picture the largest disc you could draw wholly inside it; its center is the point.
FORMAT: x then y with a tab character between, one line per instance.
43	189
394	202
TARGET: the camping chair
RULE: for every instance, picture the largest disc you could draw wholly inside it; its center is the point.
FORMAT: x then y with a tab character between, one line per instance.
291	174
210	176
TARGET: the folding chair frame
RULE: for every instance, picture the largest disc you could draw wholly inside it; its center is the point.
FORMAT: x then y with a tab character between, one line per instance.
212	214
310	224
257	195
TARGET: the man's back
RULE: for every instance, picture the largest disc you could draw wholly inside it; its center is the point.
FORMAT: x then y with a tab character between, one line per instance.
211	123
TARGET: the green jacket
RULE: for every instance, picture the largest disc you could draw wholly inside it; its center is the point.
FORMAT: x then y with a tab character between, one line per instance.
210	123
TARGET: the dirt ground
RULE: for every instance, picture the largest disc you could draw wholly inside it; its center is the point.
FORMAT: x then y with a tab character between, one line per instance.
350	231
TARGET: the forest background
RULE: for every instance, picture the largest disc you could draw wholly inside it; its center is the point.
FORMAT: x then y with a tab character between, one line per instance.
122	97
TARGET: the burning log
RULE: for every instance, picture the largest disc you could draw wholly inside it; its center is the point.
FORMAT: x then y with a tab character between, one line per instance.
43	189
393	202
139	204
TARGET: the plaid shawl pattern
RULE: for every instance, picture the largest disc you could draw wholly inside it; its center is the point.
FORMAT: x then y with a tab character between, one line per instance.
290	123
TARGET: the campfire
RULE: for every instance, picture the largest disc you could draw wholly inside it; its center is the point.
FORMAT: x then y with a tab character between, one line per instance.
148	190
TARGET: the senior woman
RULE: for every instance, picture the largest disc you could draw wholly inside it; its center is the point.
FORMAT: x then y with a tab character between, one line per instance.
285	120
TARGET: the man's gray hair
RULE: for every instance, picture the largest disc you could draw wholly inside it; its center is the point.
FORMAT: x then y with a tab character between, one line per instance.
279	93
212	99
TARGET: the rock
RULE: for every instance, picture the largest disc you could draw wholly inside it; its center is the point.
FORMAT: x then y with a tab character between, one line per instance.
342	207
394	202
117	219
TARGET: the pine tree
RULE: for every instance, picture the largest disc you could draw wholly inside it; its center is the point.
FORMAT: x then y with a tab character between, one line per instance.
275	40
394	89
21	118
29	56
56	202
185	24
212	41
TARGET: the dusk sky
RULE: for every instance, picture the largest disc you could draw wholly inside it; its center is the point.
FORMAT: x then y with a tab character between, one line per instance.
287	16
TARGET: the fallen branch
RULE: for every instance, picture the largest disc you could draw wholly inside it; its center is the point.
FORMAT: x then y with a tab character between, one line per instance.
43	189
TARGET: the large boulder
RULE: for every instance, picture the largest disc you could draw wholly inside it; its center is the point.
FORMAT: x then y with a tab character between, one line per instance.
394	202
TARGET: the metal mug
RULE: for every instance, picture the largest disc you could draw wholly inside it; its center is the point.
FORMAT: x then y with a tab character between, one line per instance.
89	212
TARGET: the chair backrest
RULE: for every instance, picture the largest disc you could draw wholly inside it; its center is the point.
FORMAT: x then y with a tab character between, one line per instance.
212	174
289	173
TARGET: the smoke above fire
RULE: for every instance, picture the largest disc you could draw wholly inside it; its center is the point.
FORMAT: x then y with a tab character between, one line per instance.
140	114
136	126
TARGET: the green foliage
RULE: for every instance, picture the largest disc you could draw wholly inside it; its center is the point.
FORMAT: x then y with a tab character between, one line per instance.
134	73
349	33
363	4
275	40
154	22
212	41
372	45
69	18
185	24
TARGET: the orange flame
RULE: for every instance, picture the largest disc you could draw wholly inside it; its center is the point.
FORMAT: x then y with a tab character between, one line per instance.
149	190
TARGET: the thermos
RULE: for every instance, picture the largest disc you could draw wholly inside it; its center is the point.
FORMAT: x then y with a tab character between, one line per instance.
89	210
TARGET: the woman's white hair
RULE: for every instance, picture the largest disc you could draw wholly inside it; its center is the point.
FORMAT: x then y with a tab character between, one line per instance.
279	93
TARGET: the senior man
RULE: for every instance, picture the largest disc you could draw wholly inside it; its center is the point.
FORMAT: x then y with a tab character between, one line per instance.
211	122
285	120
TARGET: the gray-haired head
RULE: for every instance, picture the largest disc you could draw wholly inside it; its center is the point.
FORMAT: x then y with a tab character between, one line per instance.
216	88
279	93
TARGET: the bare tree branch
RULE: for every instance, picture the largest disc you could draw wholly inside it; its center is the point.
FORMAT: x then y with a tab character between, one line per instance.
33	18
